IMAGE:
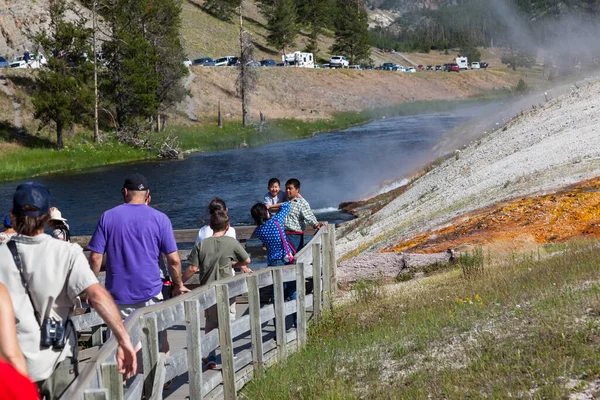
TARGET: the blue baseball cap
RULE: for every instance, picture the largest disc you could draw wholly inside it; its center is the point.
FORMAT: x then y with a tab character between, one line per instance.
34	195
7	223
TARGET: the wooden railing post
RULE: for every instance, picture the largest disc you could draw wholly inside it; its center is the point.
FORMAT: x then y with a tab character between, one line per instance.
300	305
194	348
112	380
96	394
226	342
97	336
255	325
317	288
332	260
280	334
159	378
149	351
326	271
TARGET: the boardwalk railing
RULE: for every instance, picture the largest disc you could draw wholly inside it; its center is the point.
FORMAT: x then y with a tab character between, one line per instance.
239	363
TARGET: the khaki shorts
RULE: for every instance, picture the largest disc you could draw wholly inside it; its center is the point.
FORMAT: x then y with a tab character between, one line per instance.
127	309
212	316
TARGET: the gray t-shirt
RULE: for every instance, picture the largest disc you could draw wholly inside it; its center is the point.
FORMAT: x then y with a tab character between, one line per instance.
214	256
56	273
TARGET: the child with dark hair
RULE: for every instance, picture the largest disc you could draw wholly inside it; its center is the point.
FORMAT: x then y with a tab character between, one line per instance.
214	258
274	197
216	205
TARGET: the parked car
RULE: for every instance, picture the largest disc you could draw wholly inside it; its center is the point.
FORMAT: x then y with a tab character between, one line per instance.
429	68
438	67
446	66
475	65
324	65
339	62
35	61
4	63
268	63
187	62
204	62
483	64
411	69
453	67
420	67
251	63
388	66
355	67
226	61
400	68
367	67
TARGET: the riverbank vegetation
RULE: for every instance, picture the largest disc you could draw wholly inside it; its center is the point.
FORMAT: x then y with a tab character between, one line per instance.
523	325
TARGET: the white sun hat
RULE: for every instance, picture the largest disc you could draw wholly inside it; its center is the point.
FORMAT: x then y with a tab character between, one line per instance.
56	215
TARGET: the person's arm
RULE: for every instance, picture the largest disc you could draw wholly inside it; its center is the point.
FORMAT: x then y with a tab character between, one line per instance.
174	265
9	345
309	217
243	266
243	259
189	272
96	262
107	309
274	207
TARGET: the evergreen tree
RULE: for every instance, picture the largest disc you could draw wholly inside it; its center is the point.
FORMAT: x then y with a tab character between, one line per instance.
517	56
317	15
351	28
222	9
282	25
470	51
64	93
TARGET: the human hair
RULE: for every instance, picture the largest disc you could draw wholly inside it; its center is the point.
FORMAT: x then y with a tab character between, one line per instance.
29	226
136	195
294	182
216	204
273	181
219	221
259	213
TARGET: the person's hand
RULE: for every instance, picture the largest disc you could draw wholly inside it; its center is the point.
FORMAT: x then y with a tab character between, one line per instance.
246	270
126	359
177	290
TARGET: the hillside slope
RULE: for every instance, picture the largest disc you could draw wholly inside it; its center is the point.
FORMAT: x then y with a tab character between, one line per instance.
550	147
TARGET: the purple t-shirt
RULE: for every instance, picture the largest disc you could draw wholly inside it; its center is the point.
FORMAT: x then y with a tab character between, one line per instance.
133	236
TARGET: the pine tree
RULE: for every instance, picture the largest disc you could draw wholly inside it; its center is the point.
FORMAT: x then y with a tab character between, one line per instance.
222	9
317	15
282	25
64	93
351	28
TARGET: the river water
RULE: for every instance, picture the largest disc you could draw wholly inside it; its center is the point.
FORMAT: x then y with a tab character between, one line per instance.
332	168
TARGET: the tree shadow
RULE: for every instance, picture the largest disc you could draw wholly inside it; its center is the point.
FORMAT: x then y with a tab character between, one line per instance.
24	82
10	133
265	49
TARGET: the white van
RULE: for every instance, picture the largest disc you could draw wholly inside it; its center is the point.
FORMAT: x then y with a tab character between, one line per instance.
463	62
475	65
298	59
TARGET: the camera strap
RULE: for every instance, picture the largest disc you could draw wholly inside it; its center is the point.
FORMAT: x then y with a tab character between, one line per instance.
12	246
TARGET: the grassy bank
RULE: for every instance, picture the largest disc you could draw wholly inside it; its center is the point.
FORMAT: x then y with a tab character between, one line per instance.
495	328
18	162
36	157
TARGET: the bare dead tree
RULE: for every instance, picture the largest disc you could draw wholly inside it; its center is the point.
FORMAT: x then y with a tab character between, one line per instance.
246	81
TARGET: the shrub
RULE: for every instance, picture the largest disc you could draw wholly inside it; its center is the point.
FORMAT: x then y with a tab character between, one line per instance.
472	264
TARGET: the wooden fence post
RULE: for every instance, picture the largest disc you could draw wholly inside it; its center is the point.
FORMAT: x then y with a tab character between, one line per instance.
332	260
159	378
194	348
97	337
317	287
149	351
96	394
326	271
300	306
255	325
280	333
226	342
112	380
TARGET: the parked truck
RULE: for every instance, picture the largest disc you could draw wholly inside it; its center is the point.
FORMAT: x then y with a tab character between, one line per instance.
298	59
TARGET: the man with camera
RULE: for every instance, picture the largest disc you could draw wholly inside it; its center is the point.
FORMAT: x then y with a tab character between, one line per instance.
43	276
133	235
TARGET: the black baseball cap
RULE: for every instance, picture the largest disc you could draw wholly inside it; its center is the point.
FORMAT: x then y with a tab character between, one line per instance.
34	195
136	182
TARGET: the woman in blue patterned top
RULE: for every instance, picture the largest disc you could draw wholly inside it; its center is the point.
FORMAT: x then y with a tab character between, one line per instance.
269	229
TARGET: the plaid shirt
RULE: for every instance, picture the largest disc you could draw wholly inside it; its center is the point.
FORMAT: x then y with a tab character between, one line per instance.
299	215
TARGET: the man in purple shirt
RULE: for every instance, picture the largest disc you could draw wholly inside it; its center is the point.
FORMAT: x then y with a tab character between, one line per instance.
133	235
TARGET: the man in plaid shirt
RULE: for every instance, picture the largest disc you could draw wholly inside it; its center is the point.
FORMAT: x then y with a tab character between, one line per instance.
299	215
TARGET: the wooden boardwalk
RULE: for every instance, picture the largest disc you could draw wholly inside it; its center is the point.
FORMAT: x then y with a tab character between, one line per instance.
256	339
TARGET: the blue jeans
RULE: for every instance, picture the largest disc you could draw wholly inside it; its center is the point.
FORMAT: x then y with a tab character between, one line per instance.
289	293
296	240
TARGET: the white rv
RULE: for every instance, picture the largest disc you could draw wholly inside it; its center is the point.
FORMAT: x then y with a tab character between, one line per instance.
462	62
298	59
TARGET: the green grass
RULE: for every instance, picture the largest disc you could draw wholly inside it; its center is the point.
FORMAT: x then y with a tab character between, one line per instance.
26	162
523	328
